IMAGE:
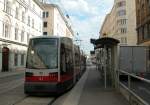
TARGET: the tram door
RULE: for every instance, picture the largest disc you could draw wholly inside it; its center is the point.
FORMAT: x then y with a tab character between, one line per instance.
5	59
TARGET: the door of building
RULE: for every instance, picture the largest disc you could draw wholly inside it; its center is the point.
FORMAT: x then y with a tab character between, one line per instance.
5	59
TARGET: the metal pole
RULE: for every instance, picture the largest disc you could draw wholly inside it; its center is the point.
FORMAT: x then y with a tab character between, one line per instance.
129	81
105	73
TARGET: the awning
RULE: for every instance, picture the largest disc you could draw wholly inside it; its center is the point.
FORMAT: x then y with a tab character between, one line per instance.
105	41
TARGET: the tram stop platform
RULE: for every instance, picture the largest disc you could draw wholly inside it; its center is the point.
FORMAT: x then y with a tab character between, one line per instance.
90	91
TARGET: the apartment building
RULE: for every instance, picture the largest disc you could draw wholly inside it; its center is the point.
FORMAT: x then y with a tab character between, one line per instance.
120	23
143	21
19	21
55	23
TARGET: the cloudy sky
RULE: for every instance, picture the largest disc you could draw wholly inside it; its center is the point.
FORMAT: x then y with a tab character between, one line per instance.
86	17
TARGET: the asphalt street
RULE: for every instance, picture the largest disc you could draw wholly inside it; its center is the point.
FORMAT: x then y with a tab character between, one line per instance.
11	89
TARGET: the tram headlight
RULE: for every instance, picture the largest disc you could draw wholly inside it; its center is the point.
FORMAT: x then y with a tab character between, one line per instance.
32	52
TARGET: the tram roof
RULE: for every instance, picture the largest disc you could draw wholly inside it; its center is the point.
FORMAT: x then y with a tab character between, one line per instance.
107	41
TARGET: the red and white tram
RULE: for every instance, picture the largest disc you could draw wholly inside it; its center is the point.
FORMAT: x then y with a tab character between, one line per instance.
50	65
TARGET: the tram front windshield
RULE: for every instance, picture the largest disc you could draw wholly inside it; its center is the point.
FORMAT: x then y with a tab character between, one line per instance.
42	54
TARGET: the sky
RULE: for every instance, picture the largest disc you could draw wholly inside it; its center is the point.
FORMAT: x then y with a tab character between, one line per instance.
86	18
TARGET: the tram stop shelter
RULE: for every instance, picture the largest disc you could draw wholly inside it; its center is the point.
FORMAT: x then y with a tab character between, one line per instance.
106	52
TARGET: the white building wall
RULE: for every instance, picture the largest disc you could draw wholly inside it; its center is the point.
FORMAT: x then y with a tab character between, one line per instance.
31	9
56	22
59	24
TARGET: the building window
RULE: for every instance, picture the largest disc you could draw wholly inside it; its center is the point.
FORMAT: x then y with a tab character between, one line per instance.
121	3
138	35
22	36
145	31
17	13
43	14
15	59
8	9
22	59
45	24
148	30
28	37
32	23
28	20
23	16
140	30
16	33
148	3
121	13
6	30
47	14
122	21
123	30
44	33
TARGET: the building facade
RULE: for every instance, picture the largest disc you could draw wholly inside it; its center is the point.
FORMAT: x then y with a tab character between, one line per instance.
120	23
54	22
19	21
143	21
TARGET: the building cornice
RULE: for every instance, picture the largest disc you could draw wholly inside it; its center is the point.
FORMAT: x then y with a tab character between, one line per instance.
27	6
39	4
13	42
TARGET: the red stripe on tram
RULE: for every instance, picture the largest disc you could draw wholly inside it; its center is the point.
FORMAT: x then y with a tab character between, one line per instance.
66	77
53	77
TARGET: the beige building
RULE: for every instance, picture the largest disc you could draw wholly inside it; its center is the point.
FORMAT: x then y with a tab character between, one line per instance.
120	23
19	21
54	22
143	22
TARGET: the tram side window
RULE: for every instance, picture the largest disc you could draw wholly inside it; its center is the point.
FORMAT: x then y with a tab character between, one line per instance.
63	60
66	62
77	60
69	62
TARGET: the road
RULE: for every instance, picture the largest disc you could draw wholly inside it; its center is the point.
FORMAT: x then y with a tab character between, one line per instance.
11	89
12	92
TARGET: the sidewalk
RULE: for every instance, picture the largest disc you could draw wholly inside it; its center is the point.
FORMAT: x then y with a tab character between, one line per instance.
11	73
94	93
